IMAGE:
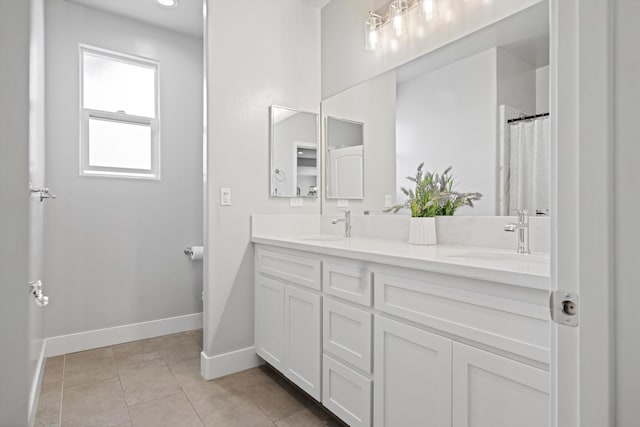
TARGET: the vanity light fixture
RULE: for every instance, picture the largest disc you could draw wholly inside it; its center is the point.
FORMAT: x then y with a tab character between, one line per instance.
396	18
167	3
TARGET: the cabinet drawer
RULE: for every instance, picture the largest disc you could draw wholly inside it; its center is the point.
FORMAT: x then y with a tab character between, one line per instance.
348	282
347	333
346	393
292	268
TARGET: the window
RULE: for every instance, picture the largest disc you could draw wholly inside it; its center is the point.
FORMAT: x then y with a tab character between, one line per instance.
119	114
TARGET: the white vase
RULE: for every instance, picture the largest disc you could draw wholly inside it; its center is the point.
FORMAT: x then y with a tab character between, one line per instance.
422	231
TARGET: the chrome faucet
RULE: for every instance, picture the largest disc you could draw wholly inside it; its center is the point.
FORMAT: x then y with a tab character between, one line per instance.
347	223
522	227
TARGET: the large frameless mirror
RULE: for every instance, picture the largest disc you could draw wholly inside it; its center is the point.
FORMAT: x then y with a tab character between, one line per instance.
294	152
479	105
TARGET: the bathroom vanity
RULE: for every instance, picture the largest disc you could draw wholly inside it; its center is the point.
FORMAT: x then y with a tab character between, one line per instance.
386	333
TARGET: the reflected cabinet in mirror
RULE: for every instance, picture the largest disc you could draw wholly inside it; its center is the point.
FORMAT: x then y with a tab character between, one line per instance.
294	153
345	158
479	105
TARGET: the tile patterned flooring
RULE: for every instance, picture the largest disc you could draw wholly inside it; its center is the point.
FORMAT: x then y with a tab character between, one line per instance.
157	382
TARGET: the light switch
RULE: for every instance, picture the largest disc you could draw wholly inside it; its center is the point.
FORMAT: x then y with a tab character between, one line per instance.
296	202
387	201
225	196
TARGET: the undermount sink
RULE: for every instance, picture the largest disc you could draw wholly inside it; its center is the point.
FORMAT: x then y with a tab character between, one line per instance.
501	256
323	238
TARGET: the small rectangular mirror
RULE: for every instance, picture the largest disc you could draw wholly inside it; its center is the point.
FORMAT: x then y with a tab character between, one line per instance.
345	159
294	153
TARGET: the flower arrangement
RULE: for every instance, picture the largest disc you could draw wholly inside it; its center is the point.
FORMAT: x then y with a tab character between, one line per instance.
434	195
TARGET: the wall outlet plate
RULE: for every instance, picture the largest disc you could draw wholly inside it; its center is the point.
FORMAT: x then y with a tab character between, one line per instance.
225	196
296	202
387	201
343	203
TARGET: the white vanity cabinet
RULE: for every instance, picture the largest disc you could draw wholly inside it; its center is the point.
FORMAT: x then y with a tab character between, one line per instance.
385	346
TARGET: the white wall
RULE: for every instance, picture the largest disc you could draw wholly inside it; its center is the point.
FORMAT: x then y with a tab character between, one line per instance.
114	246
542	90
345	62
21	142
627	227
374	104
259	53
516	82
448	118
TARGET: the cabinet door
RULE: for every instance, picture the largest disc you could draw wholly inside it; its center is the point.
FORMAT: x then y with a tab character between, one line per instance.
269	312
493	391
303	337
412	381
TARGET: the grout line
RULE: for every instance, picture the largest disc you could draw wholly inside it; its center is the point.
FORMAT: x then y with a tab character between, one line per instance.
64	366
193	407
126	405
184	392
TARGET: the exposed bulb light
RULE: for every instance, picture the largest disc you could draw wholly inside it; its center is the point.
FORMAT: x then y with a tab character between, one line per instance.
429	9
397	10
371	28
385	29
167	3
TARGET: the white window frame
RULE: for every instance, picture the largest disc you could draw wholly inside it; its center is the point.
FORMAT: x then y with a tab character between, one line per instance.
120	117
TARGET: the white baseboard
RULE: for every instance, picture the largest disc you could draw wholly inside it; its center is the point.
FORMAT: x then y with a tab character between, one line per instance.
217	366
64	344
34	393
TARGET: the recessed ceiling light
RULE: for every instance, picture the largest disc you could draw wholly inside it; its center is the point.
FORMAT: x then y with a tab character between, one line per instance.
167	3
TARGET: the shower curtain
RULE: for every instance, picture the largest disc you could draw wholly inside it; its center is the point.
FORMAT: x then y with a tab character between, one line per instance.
529	166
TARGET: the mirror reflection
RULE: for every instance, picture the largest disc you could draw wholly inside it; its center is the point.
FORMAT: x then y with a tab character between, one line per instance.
485	113
294	153
345	159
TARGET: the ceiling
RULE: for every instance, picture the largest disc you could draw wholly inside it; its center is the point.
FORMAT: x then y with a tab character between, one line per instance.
186	18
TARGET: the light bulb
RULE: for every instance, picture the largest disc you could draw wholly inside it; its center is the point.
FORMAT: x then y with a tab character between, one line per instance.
373	39
397	25
429	9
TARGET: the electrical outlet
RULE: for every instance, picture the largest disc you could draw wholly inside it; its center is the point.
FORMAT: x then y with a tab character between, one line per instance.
343	203
225	196
296	202
387	201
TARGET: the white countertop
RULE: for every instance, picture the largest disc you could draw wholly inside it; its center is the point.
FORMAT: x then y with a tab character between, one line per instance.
489	264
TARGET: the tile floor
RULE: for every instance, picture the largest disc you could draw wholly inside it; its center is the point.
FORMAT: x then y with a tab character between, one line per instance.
157	382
